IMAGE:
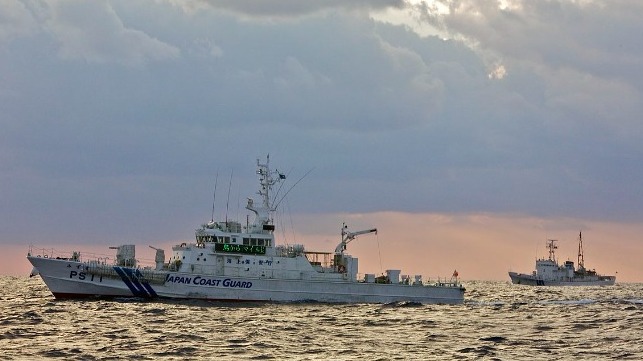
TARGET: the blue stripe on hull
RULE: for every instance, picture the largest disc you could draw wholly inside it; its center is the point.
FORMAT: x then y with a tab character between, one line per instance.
139	290
135	282
147	286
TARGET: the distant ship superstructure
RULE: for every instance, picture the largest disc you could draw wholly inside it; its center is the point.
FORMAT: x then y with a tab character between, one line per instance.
549	273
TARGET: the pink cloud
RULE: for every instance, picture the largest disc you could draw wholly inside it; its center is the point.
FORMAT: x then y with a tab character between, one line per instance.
479	246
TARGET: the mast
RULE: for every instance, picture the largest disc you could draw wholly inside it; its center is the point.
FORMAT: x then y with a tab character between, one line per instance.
581	258
551	245
266	181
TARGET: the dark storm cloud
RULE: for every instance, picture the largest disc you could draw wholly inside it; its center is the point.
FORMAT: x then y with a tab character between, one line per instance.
128	109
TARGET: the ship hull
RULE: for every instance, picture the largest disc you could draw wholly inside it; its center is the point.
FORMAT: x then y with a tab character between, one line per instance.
531	280
73	279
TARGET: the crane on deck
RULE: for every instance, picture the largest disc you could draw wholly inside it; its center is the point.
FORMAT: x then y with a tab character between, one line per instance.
347	237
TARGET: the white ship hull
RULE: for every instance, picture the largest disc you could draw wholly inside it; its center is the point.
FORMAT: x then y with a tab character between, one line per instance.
73	279
531	280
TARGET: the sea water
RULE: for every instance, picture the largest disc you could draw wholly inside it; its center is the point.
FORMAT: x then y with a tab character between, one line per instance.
498	321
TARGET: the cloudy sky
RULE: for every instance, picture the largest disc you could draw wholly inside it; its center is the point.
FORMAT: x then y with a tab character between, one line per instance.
472	130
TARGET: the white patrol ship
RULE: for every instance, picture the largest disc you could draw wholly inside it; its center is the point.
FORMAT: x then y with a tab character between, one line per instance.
549	273
231	262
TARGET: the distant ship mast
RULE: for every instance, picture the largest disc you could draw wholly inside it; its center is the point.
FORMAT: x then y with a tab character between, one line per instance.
581	258
551	245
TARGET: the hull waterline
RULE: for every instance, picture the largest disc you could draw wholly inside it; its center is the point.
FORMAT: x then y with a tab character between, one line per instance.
530	280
